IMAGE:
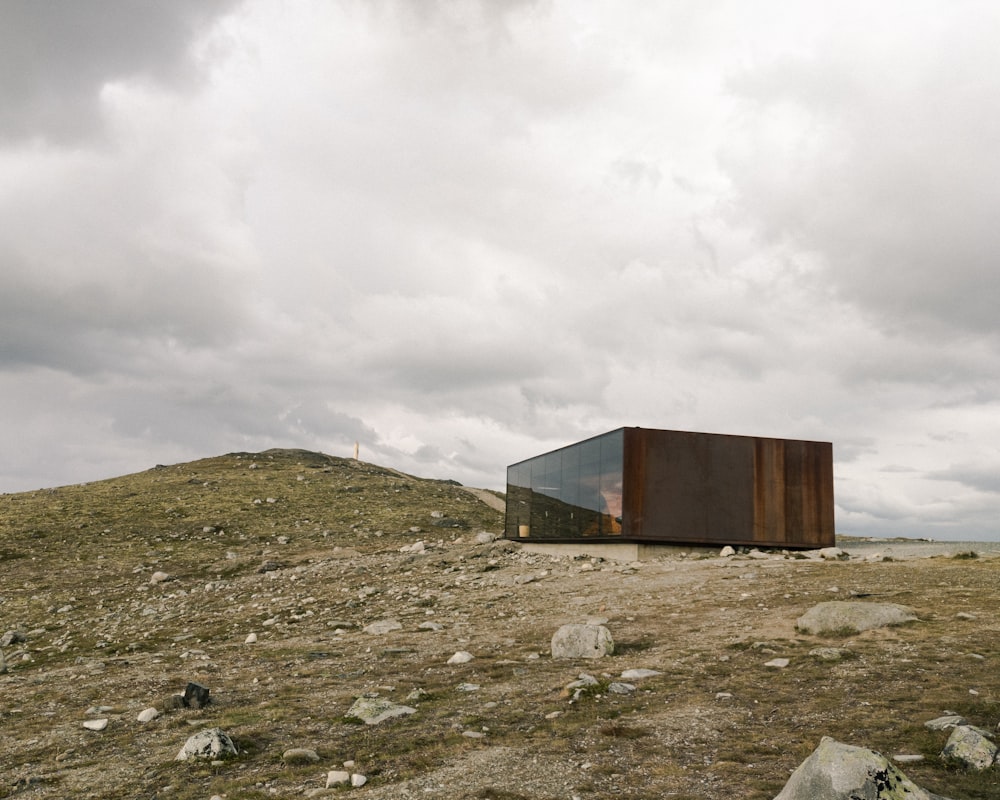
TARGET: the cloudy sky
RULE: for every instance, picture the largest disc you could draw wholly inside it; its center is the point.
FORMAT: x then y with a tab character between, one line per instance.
463	233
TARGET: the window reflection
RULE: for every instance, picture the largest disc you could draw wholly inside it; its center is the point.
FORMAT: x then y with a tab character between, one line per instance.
569	493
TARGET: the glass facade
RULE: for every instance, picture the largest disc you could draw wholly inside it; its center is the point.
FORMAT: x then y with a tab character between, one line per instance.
569	493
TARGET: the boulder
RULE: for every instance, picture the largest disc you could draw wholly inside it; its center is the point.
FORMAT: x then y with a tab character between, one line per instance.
582	641
841	616
838	771
213	743
971	746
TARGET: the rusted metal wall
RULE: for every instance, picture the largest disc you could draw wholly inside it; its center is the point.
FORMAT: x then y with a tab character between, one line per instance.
701	488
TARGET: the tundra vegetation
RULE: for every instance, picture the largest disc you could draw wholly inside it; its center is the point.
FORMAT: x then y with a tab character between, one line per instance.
255	575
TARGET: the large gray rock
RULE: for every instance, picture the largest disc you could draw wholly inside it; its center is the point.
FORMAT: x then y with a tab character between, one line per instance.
213	743
582	641
971	746
838	771
839	616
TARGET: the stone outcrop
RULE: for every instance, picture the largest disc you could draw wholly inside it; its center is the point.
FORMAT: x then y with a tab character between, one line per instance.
841	616
838	771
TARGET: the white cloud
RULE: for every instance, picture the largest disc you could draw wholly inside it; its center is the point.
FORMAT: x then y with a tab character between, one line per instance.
465	233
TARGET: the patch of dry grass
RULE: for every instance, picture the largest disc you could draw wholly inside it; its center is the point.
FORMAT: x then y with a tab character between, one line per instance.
75	569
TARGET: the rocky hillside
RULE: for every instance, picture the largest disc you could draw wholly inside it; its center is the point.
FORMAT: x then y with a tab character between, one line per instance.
290	585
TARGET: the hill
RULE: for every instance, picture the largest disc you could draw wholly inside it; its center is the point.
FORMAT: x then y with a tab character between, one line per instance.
355	580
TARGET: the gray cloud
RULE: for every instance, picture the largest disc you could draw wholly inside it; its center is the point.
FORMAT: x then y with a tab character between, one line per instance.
981	477
465	233
871	151
56	56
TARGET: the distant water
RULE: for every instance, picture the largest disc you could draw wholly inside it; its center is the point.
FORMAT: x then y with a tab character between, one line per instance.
914	548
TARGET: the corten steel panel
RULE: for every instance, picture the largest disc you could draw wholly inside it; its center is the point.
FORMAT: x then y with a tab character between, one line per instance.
715	489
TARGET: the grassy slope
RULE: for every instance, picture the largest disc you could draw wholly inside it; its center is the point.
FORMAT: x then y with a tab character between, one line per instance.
75	564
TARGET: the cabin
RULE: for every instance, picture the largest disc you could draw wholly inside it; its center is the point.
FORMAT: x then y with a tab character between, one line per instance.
675	487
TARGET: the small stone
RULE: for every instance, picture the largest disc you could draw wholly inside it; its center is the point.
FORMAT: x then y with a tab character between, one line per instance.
251	639
906	758
584	680
723	695
473	735
159	577
12	637
196	695
300	755
461	657
96	724
358	780
148	715
617	687
827	653
373	710
468	687
945	722
639	674
777	663
382	626
727	552
430	626
337	777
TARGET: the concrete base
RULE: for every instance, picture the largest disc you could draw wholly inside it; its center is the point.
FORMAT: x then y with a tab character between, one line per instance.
616	551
